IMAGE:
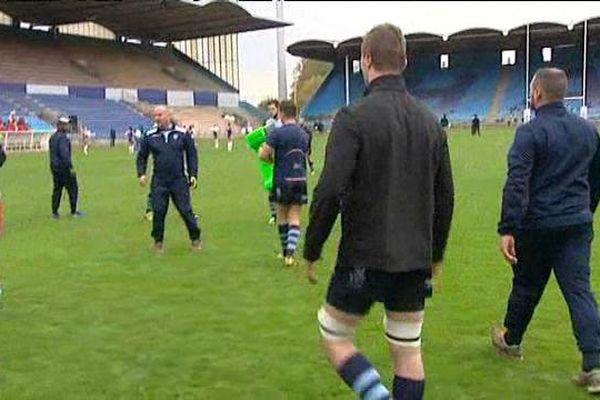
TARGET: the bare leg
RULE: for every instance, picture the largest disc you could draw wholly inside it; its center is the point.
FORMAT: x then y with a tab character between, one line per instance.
283	226
293	238
409	373
354	368
340	350
293	214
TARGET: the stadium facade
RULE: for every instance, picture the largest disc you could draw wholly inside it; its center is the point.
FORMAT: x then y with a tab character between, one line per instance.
475	71
219	54
108	62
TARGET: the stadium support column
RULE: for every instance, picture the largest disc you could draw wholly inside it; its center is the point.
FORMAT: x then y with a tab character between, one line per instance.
281	70
527	111
583	110
347	79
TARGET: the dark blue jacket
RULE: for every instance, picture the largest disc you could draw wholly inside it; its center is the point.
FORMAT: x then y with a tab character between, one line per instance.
553	172
168	155
60	152
2	156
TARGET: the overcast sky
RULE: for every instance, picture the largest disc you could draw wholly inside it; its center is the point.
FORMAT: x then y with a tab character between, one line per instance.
333	20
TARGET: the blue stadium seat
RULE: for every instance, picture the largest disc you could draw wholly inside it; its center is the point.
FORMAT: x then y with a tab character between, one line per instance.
475	83
98	115
31	118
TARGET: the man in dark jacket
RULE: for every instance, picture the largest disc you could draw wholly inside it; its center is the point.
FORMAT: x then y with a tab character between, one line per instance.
387	171
550	195
175	171
444	122
475	126
113	136
2	156
62	170
309	132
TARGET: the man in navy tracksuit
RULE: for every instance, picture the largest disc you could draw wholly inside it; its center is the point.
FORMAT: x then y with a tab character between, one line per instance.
2	156
62	170
550	195
169	146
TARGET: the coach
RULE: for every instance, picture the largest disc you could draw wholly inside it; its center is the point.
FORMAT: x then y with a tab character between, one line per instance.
174	153
2	156
387	171
550	194
61	165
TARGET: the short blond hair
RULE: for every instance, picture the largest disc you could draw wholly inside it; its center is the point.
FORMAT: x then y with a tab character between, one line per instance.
386	45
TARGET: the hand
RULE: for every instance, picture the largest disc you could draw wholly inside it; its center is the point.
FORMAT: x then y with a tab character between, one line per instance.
436	269
310	272
193	182
143	180
507	246
72	172
436	272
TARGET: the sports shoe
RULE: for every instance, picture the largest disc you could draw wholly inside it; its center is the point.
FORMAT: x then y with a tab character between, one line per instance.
499	343
311	275
56	215
289	261
590	379
159	248
196	245
272	221
148	216
77	214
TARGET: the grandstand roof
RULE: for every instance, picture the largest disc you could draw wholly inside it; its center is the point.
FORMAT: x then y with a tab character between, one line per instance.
314	49
550	32
158	20
476	33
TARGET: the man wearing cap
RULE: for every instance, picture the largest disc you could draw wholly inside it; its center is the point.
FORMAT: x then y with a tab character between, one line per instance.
62	170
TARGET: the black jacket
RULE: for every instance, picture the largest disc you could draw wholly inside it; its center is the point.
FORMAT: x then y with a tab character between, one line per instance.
553	172
60	152
168	155
387	171
2	156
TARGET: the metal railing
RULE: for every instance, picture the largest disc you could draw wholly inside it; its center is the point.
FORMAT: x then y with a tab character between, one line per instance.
25	141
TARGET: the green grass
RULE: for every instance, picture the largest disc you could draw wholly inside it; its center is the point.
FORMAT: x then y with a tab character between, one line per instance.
90	313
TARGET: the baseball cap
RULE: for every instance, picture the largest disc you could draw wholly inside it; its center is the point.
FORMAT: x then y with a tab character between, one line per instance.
64	119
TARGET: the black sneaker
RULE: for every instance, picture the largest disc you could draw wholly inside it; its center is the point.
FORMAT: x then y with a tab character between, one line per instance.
56	215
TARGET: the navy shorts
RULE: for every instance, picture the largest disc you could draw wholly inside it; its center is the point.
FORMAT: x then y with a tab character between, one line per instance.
354	290
291	194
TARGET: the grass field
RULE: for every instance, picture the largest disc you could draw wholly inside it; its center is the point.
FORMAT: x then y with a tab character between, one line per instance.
89	312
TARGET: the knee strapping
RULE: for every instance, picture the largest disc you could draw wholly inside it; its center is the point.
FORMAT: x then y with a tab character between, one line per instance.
333	329
403	333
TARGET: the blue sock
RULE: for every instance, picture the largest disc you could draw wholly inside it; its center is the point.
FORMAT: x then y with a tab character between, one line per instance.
292	239
283	236
407	389
359	374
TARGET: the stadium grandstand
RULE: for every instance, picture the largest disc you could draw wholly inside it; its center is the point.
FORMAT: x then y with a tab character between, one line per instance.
108	63
476	71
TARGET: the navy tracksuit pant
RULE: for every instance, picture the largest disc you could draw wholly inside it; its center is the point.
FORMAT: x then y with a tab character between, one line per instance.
64	179
566	251
178	190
